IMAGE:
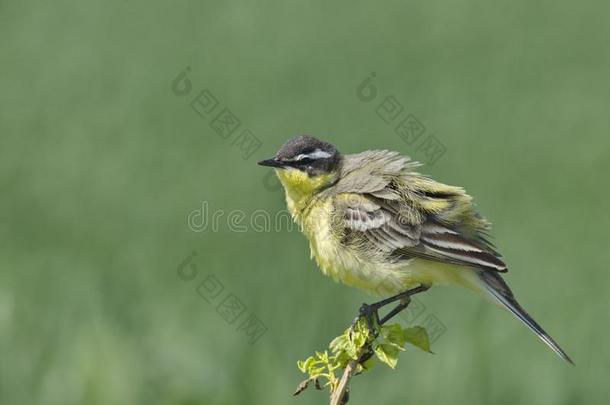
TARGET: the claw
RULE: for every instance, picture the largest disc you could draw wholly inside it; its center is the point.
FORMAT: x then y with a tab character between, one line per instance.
370	314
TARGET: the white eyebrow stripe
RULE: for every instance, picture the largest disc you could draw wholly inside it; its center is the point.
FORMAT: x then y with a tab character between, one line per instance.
316	154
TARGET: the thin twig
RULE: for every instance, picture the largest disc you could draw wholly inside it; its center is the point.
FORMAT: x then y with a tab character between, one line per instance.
338	394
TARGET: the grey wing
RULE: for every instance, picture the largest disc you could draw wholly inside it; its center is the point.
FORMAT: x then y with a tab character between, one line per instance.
365	219
388	225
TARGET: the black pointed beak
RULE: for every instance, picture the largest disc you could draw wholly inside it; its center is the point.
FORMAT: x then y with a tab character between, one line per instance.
271	163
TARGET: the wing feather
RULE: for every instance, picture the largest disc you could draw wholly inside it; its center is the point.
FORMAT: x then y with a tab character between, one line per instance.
390	208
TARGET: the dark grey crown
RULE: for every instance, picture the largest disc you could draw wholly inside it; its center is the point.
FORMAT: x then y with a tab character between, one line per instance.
309	154
303	145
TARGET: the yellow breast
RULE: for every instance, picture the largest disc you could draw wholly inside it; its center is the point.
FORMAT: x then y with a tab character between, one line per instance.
340	262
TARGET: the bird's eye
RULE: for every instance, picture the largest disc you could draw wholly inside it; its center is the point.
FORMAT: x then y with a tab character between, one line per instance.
304	161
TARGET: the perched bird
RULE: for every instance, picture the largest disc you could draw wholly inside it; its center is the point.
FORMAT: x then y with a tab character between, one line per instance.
375	223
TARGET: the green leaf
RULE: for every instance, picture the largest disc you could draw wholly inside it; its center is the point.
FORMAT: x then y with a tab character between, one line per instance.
394	335
305	365
359	340
342	359
361	328
418	336
316	371
339	343
387	342
387	354
351	349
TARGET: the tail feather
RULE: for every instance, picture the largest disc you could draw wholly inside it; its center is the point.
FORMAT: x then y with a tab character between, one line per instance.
501	293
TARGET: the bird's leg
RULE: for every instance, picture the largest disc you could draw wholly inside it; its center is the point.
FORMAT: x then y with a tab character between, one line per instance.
403	304
399	296
371	311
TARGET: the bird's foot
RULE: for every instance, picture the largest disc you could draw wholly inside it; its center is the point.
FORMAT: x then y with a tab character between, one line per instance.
370	314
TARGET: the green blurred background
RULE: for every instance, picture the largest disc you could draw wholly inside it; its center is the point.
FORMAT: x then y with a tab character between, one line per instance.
101	164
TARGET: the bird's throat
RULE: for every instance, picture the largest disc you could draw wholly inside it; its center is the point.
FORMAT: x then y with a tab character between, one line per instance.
301	190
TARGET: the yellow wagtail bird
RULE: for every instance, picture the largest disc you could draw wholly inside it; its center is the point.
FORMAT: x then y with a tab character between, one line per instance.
375	223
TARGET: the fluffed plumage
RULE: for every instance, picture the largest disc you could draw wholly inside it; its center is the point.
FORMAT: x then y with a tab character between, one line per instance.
375	223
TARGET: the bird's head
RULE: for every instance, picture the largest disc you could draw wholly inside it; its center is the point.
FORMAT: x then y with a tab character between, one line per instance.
304	164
